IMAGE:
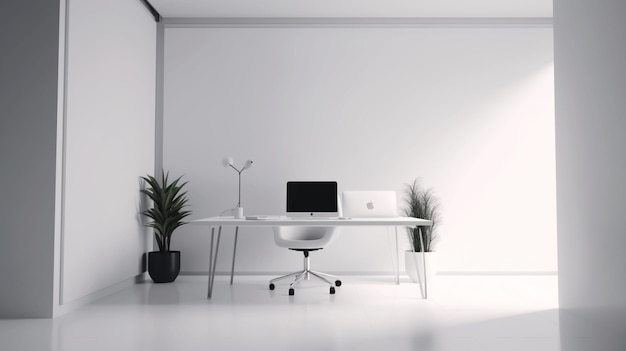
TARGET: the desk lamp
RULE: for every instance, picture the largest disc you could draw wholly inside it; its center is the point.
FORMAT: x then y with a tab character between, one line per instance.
228	162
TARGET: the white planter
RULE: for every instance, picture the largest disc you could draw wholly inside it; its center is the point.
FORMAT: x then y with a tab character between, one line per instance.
413	264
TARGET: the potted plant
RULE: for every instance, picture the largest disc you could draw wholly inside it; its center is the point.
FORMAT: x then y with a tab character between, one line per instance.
421	203
167	214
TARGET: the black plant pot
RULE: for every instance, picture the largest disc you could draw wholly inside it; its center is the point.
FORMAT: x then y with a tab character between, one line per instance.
164	267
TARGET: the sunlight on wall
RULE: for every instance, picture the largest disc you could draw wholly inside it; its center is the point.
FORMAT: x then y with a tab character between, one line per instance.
508	191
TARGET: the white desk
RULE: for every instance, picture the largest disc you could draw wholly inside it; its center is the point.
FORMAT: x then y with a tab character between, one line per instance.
220	222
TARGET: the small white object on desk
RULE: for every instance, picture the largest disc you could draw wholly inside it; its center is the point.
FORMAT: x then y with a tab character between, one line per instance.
238	213
262	217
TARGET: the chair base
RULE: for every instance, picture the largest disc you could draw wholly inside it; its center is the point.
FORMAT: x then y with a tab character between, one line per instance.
306	274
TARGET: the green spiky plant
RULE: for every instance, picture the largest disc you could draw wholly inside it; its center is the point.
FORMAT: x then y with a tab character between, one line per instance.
422	203
168	210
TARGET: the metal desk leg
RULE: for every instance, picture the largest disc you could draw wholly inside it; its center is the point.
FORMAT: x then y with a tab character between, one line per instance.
213	259
425	293
232	267
209	290
397	259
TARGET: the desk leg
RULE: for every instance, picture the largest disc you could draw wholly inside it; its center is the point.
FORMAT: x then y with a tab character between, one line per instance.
397	259
425	291
213	259
232	267
209	290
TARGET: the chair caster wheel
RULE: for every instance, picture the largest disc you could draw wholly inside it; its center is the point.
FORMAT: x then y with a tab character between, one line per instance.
272	287
332	290
337	282
291	292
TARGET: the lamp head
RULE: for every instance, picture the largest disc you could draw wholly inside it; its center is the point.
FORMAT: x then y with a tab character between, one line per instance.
247	165
228	162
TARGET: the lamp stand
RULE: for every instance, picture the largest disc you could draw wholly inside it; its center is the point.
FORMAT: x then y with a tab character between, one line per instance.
228	162
238	212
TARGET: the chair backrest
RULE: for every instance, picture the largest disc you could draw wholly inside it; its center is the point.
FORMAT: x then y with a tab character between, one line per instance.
296	237
369	204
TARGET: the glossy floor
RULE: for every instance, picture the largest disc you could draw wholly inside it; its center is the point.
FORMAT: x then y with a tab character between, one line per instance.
367	313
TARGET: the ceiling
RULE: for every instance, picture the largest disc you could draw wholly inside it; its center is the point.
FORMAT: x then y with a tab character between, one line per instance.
354	8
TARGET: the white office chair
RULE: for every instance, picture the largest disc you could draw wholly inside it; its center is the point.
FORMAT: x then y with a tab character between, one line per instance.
305	240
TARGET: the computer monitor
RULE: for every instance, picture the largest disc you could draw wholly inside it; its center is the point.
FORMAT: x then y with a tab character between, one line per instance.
312	199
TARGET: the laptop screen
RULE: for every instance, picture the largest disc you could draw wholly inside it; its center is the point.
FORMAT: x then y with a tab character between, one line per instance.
312	197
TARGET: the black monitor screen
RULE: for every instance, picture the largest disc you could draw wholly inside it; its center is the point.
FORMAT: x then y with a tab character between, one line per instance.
311	196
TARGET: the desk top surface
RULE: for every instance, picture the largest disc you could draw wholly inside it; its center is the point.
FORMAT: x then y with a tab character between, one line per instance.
318	222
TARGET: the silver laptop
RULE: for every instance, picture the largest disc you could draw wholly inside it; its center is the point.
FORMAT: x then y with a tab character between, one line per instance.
369	204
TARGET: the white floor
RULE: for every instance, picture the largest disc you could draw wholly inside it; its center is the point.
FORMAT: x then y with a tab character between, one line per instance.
367	313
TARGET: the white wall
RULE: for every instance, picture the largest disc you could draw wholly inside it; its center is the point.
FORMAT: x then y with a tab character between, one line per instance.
29	38
590	83
110	128
469	110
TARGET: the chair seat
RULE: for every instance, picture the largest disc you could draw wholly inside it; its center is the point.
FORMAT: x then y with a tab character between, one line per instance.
296	237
